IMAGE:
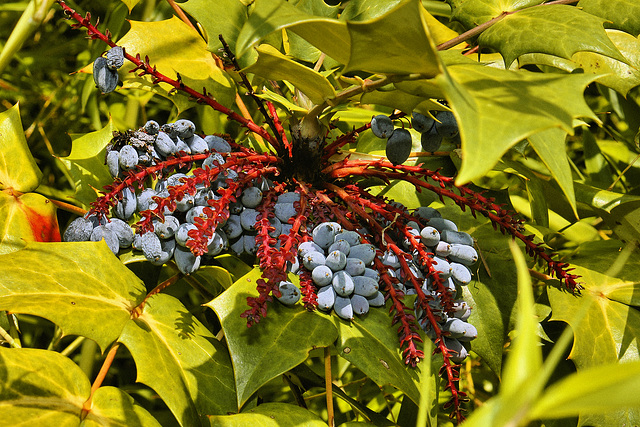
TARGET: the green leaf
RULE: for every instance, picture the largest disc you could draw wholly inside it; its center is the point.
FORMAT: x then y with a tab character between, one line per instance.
525	358
29	217
473	13
621	14
270	415
624	220
272	64
18	169
596	390
393	55
328	35
130	4
611	328
615	74
112	406
483	100
550	146
298	47
82	287
86	164
372	345
41	387
279	342
602	199
537	29
223	17
181	360
186	54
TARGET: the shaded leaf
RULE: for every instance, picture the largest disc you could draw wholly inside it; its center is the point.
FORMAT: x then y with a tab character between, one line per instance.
41	387
86	164
602	199
473	13
181	360
387	36
370	344
186	54
279	342
550	146
113	407
610	330
621	14
219	17
498	108
82	287
625	221
272	64
537	29
328	35
299	47
130	4
26	218
18	169
269	415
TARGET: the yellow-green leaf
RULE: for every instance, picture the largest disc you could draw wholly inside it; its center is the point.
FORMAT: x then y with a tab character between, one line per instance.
272	64
86	164
26	218
220	17
388	36
181	360
270	414
113	407
484	101
473	13
550	146
186	54
82	287
537	29
279	342
621	14
18	169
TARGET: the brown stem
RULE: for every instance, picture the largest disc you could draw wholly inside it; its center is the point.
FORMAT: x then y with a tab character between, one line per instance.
328	386
86	407
162	286
68	207
181	14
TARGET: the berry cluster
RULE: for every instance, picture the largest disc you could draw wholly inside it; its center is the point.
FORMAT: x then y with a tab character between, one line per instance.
399	142
340	266
168	235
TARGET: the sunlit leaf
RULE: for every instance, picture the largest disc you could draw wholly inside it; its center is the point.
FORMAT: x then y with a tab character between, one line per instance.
387	36
271	64
18	169
270	415
29	217
473	13
610	330
221	17
181	360
621	14
592	391
86	163
82	287
550	146
612	73
41	387
130	4
537	29
484	98
186	54
279	342
112	406
328	35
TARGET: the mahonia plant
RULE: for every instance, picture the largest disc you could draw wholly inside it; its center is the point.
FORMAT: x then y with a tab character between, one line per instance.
302	206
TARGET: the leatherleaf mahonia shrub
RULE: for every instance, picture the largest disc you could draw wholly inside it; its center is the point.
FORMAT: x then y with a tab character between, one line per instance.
285	190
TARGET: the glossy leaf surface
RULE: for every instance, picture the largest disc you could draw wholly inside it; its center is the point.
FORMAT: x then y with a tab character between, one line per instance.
181	360
68	283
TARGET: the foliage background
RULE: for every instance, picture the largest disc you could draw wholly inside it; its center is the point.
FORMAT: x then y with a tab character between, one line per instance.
604	177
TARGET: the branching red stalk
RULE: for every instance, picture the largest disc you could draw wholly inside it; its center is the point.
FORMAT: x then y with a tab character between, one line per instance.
145	68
